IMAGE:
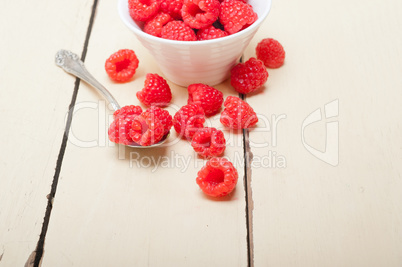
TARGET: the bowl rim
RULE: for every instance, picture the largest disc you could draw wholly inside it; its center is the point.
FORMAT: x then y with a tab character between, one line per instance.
126	18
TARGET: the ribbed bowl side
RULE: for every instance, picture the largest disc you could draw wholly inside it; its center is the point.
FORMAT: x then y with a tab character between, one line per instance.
209	64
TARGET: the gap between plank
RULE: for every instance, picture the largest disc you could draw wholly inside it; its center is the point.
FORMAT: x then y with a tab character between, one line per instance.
41	242
248	157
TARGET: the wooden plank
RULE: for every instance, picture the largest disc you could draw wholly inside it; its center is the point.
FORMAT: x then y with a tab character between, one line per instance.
137	207
308	212
34	99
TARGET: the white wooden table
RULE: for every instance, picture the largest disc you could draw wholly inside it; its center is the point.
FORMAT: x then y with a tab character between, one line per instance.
320	177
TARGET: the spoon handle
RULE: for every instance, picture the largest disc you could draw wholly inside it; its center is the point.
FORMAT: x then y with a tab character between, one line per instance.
71	63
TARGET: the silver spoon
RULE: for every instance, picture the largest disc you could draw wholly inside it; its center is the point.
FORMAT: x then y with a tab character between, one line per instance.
72	64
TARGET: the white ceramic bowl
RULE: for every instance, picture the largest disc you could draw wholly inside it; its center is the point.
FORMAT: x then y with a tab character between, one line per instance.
187	62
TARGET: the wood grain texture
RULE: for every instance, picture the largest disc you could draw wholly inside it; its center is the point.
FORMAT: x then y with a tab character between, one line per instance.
308	212
34	99
138	207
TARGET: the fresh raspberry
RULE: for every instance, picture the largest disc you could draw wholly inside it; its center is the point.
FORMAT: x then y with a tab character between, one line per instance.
218	177
209	142
209	98
143	10
163	116
179	31
154	25
119	130
271	52
236	15
121	65
127	110
146	129
248	76
172	7
199	14
210	33
238	114
188	119
156	91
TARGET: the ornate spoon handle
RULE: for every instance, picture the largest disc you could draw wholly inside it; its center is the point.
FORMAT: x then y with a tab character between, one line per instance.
72	64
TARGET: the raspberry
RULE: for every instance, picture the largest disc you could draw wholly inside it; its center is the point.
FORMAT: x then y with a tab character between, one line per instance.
127	110
200	13
249	76
154	26
179	31
156	91
146	129
271	52
210	33
172	7
119	130
236	15
164	117
121	65
188	119
217	178
209	142
143	10
209	98
238	114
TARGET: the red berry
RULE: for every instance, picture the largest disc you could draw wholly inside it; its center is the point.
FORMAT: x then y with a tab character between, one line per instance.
121	65
154	25
238	114
179	31
156	91
172	7
119	130
249	76
188	119
209	142
209	98
236	15
143	10
271	52
210	33
217	178
127	110
164	117
199	14
146	129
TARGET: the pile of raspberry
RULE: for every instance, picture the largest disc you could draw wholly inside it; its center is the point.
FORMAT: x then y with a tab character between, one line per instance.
132	125
192	20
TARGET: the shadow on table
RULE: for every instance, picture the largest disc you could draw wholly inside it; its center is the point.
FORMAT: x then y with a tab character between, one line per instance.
229	197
